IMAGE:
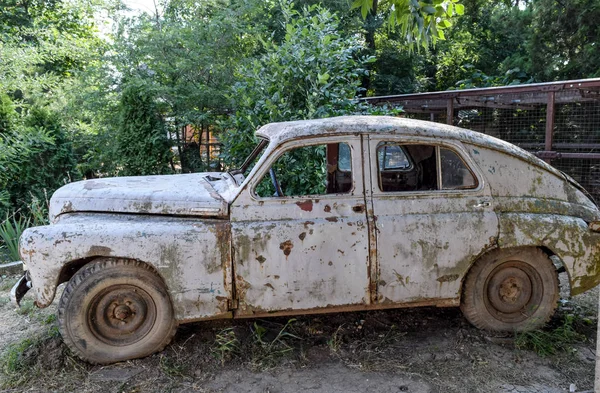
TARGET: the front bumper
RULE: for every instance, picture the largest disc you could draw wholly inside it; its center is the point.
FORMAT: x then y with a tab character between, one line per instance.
20	289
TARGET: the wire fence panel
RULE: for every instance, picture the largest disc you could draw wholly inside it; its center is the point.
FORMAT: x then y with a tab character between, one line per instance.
558	121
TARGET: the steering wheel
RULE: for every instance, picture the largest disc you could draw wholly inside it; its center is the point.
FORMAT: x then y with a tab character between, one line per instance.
278	191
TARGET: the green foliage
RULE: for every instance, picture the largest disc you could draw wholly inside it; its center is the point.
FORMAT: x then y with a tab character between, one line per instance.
265	351
226	345
142	142
35	159
10	233
314	73
550	341
7	114
421	23
565	37
19	361
301	171
480	79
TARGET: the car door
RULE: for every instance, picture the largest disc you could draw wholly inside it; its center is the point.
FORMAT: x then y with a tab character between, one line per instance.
307	248
433	215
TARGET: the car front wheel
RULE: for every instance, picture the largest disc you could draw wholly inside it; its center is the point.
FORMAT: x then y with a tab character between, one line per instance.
115	309
511	290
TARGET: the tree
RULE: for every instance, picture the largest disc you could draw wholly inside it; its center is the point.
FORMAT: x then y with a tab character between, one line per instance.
142	144
313	73
421	23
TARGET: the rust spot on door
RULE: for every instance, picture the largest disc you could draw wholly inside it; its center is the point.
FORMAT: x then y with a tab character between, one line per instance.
302	235
331	219
448	278
98	250
286	246
327	208
261	259
307	206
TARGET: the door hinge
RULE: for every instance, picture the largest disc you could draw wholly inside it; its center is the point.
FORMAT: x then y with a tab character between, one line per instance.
233	304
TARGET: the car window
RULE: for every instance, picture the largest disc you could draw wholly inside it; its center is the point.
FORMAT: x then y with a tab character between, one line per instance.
309	170
391	157
415	167
455	174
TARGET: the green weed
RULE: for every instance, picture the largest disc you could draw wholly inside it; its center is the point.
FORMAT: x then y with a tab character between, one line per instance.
335	342
10	232
18	361
265	352
226	345
27	308
171	367
549	342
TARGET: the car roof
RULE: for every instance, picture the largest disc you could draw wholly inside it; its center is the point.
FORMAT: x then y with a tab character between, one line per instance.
351	125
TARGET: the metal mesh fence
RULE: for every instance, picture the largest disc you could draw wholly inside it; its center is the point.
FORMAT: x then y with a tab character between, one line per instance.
571	142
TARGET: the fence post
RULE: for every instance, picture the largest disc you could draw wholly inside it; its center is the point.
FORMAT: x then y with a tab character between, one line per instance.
450	111
597	379
549	122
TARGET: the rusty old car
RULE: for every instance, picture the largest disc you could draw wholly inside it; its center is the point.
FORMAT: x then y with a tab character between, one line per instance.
340	214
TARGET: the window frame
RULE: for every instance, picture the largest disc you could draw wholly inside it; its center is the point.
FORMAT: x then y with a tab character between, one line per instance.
298	143
453	146
408	158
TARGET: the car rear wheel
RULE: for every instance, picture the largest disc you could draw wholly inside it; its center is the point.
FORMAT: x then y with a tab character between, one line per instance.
511	290
115	309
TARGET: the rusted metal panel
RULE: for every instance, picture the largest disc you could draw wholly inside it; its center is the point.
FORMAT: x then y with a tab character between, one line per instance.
582	84
550	121
518	186
187	194
427	240
191	255
568	237
301	253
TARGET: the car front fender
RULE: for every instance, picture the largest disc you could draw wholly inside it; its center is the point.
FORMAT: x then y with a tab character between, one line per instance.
191	255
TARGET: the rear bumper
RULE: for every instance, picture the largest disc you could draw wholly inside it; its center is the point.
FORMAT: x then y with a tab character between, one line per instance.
20	289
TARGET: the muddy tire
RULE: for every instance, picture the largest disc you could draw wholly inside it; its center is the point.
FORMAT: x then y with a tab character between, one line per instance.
115	309
511	290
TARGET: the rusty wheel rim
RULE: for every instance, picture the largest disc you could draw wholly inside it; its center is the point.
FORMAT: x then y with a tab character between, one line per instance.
121	315
514	289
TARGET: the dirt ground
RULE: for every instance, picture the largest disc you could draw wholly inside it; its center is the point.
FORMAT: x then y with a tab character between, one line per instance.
407	350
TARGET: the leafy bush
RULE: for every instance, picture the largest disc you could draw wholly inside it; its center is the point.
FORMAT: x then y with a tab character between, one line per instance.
10	233
142	144
315	72
36	158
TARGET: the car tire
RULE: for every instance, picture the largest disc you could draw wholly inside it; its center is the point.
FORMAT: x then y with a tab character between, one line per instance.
511	290
116	309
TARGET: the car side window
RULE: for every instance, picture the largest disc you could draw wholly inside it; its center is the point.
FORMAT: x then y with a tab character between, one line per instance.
455	173
309	170
406	168
415	167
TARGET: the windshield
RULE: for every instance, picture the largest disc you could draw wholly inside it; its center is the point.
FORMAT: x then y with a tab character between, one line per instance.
251	160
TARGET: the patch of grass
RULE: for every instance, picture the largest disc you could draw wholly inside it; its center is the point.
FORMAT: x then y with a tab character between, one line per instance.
27	308
18	363
172	367
266	352
49	319
226	345
6	283
335	342
548	342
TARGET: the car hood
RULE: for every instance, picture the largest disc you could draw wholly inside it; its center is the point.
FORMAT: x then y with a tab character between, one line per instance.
188	194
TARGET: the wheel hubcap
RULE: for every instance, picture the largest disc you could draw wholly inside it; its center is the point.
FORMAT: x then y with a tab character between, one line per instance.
121	314
513	290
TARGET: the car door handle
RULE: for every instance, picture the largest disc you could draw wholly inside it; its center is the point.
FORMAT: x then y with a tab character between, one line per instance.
483	204
358	208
